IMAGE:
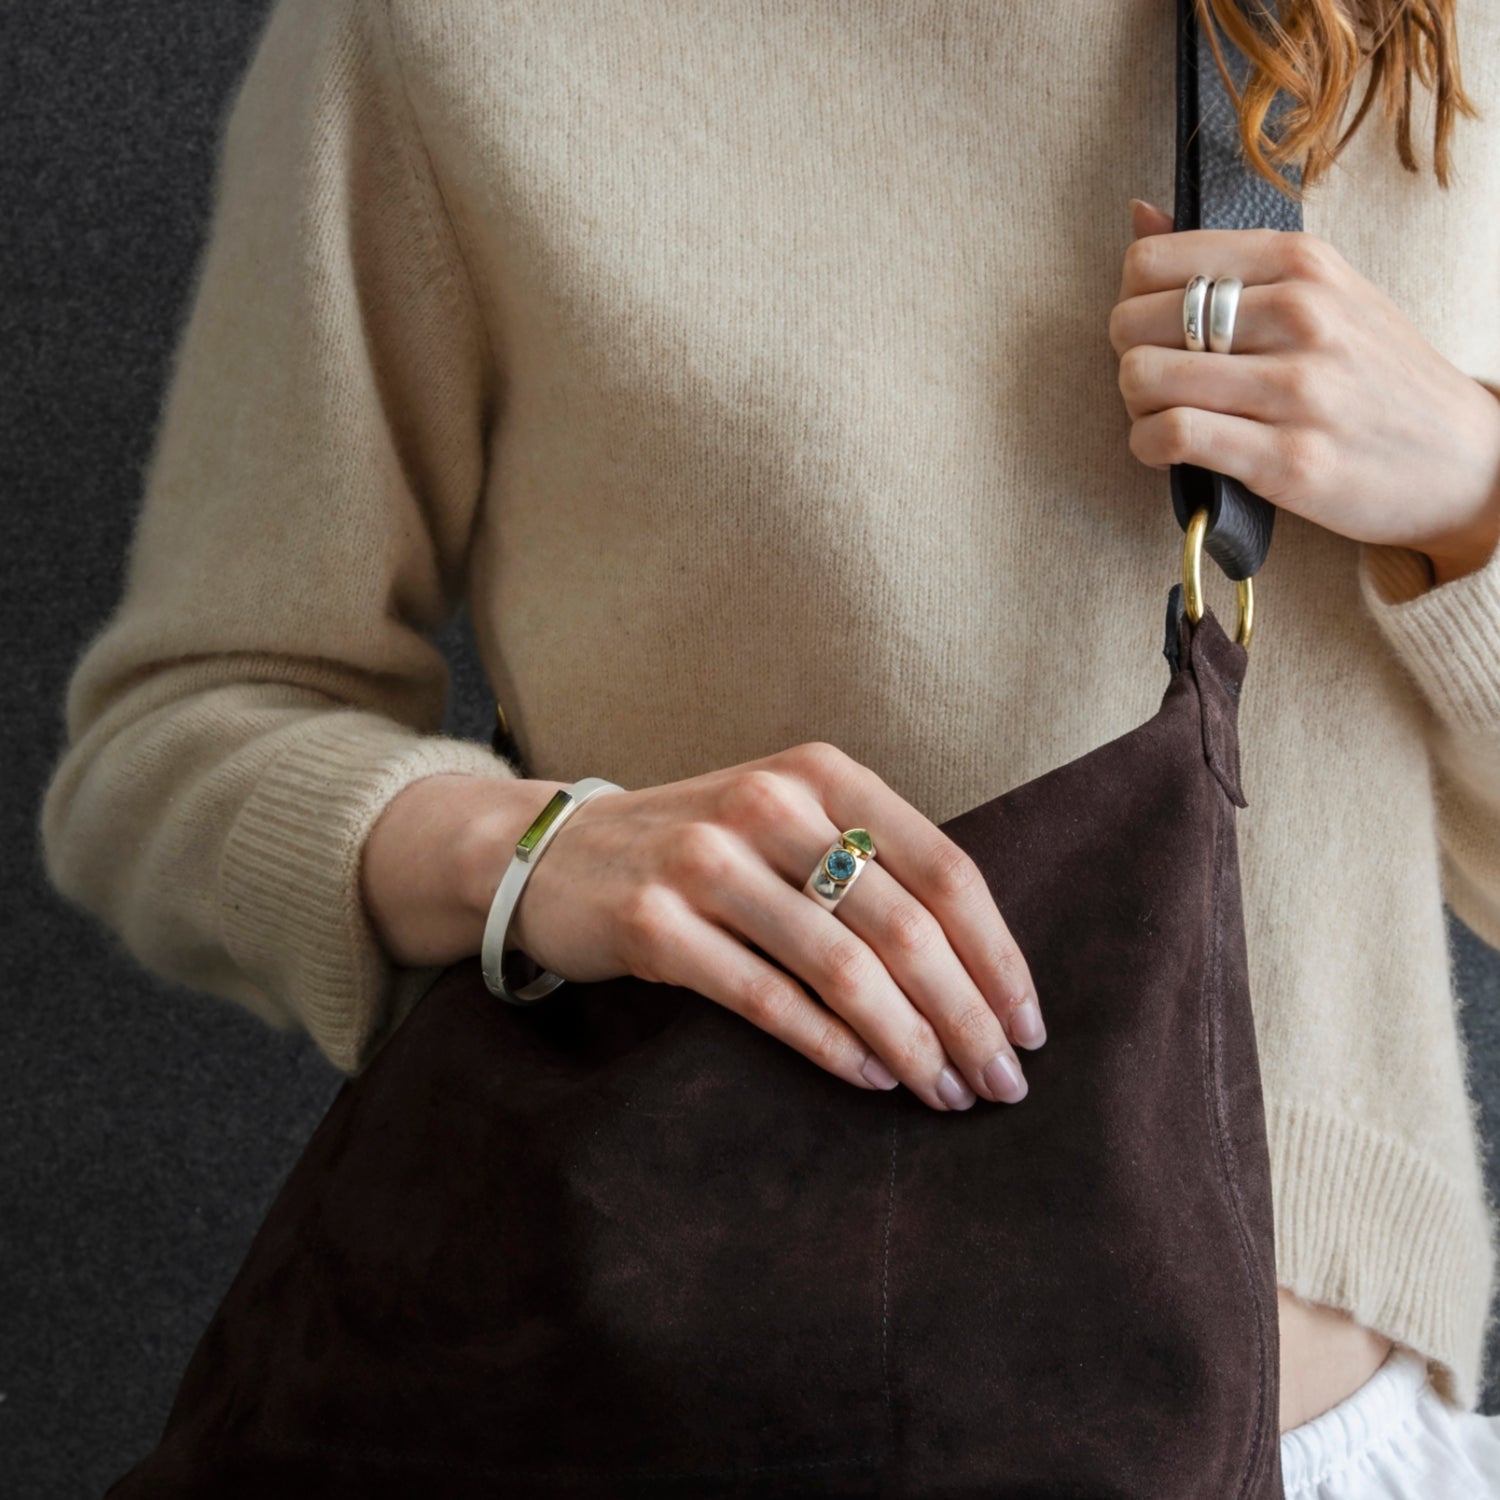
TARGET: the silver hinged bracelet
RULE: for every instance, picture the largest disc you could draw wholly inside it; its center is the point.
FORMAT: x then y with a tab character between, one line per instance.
529	848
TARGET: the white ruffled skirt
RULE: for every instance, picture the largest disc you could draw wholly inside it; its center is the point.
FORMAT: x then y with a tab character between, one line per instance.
1393	1439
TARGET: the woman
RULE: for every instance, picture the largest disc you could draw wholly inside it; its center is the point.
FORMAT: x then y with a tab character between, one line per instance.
745	369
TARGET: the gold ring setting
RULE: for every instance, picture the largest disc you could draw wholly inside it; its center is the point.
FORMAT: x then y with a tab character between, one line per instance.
840	866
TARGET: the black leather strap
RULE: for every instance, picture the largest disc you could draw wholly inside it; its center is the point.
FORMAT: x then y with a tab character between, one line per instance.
1217	189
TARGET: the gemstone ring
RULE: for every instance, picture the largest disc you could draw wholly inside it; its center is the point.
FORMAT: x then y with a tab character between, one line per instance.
839	867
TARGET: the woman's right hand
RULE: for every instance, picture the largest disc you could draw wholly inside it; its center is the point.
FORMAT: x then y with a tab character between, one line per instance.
693	882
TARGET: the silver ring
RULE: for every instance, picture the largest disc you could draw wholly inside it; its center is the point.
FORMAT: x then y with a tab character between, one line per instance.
1223	305
1194	302
841	865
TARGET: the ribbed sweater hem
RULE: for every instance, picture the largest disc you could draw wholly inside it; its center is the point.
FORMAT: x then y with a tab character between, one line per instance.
291	907
1365	1223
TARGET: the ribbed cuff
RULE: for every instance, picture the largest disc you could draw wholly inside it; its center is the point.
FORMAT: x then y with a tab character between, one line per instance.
1447	635
1366	1223
292	912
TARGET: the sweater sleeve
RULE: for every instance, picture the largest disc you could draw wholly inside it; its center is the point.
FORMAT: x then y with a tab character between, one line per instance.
1447	637
269	679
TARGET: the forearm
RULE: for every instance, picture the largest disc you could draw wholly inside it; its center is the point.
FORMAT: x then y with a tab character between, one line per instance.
434	857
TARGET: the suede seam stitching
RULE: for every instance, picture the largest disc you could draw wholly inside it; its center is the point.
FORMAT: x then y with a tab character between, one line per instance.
1211	1035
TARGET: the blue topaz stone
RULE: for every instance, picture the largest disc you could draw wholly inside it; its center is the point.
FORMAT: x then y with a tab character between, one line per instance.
839	867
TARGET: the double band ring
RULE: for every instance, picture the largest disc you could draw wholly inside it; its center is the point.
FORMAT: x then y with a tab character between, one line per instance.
840	866
1209	307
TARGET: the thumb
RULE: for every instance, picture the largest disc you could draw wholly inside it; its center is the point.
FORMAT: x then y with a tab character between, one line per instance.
1147	218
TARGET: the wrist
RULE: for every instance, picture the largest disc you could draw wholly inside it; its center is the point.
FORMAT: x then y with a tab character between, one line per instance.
489	841
1470	546
1454	557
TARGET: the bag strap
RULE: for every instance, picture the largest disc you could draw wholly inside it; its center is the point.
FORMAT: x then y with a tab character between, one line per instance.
1215	189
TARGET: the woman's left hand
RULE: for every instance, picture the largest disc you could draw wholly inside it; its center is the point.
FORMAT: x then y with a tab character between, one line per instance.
1331	404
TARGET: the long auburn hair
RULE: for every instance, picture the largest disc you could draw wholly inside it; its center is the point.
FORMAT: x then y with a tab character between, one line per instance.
1313	51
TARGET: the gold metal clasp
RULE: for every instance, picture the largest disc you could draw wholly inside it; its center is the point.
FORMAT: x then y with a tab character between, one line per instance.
1192	581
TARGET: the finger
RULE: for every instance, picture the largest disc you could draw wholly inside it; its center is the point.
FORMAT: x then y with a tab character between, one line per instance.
816	946
930	865
1147	218
1283	464
912	944
918	954
1268	319
689	950
1257	256
1263	387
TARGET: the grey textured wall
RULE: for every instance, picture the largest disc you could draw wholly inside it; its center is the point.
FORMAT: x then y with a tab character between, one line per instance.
143	1129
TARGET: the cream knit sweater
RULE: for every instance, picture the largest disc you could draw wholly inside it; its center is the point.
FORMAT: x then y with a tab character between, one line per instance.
744	369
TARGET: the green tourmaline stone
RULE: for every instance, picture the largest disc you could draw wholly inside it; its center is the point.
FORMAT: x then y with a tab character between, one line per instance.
528	841
861	839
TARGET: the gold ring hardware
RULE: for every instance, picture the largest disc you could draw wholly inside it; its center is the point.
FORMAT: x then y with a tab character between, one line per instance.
1192	581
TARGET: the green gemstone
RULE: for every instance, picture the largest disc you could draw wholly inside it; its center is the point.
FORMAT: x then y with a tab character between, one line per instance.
858	838
528	841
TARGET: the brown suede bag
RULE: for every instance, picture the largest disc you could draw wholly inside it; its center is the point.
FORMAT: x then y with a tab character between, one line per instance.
624	1242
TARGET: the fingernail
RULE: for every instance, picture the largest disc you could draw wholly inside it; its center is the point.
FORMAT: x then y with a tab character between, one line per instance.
1026	1024
1003	1079
953	1091
1144	204
878	1074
